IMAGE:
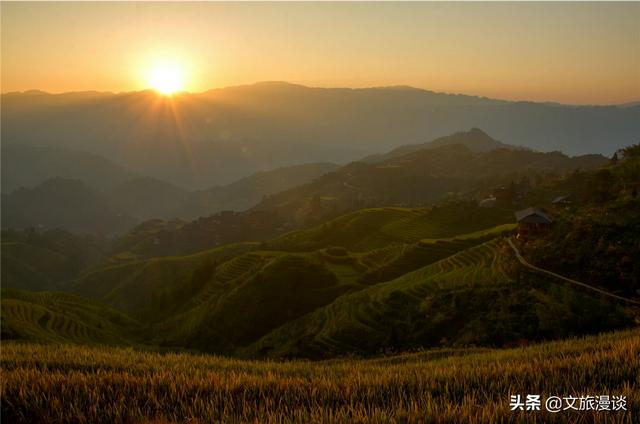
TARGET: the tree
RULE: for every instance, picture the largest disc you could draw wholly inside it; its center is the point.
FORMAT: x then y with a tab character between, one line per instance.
632	151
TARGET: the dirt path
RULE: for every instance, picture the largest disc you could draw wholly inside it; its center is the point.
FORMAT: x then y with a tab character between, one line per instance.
568	280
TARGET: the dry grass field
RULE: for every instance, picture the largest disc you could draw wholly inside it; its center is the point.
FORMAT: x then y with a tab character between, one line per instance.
68	384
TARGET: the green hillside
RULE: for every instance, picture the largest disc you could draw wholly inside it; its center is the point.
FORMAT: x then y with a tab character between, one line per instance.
62	318
371	280
595	237
44	260
193	300
374	228
414	180
133	286
279	288
472	297
418	178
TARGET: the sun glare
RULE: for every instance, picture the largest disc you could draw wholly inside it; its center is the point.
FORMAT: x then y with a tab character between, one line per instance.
166	78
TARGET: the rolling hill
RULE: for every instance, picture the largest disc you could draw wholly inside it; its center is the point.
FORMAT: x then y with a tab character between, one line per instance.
475	140
26	166
371	280
416	179
374	228
423	177
249	191
126	200
43	260
129	280
52	317
471	297
63	203
330	301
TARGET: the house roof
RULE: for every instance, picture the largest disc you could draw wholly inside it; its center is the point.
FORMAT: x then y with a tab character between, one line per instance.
560	199
489	201
533	216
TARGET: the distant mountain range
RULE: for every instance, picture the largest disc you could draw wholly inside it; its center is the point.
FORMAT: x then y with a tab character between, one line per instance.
63	203
25	166
83	202
212	138
423	177
458	165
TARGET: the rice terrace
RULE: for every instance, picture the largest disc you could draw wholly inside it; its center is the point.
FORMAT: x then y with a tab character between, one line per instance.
319	212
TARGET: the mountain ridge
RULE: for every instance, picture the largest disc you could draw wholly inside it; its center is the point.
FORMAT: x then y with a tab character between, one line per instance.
279	83
199	140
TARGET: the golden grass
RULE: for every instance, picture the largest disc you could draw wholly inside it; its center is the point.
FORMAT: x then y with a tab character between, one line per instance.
64	384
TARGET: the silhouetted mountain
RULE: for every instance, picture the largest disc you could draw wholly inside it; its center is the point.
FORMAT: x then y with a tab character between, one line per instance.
198	140
146	198
475	139
25	166
248	191
139	198
62	203
420	178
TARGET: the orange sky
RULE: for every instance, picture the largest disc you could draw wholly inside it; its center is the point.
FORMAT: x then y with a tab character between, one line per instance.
567	52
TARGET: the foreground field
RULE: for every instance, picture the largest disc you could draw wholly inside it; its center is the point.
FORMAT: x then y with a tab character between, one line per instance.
62	384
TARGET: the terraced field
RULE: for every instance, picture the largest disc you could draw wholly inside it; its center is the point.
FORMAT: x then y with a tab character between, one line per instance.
471	297
393	261
354	231
278	286
130	286
228	275
369	229
353	285
62	318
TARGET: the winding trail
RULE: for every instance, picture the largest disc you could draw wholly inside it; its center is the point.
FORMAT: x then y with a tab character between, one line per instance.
568	280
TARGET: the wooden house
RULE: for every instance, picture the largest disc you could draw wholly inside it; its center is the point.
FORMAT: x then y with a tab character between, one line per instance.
532	222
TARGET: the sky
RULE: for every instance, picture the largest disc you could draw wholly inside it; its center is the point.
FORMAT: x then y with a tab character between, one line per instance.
580	53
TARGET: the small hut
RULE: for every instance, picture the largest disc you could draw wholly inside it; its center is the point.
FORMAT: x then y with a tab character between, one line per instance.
489	202
532	222
565	200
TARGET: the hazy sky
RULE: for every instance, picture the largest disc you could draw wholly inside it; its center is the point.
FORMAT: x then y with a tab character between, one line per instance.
568	52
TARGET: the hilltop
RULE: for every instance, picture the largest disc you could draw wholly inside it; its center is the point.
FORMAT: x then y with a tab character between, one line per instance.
475	140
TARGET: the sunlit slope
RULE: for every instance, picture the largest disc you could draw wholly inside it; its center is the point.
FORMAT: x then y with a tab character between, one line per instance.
53	317
472	297
395	260
137	286
131	286
374	228
250	296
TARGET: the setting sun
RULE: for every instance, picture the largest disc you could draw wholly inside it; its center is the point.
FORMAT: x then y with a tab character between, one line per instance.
166	78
